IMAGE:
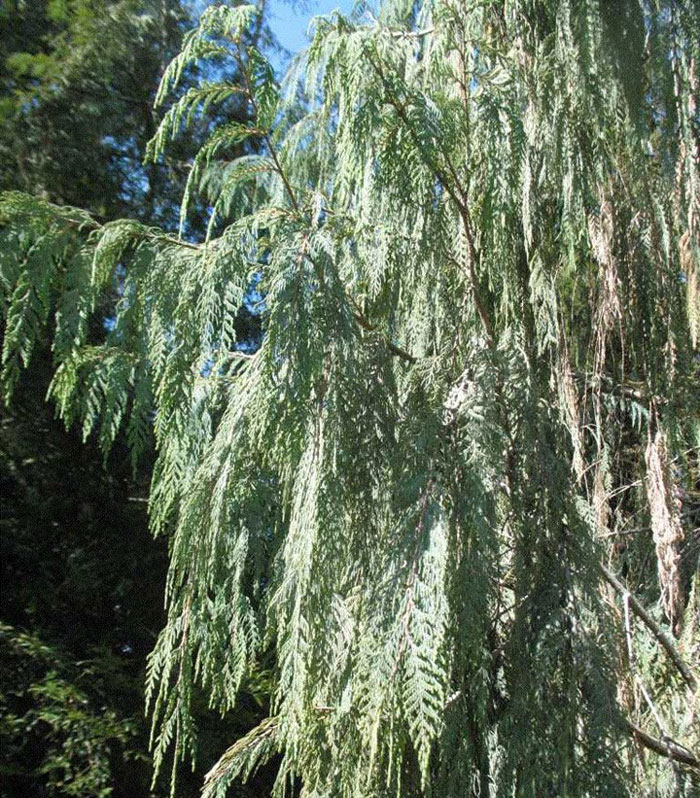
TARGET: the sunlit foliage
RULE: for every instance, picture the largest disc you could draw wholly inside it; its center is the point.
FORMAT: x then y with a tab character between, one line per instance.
474	238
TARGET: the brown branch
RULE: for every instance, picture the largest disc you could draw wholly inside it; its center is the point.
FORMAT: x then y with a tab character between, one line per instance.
367	325
359	317
265	134
662	637
639	529
480	308
665	747
361	320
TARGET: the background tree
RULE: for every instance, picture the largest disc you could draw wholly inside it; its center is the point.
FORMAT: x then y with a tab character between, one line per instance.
474	403
78	82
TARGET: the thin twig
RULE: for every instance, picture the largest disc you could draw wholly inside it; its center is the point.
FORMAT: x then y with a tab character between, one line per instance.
456	193
265	134
367	325
359	317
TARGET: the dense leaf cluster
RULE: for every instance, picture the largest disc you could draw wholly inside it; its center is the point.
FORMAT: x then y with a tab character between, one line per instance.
475	244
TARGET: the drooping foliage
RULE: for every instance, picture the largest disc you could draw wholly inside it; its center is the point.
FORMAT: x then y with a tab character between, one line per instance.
473	229
81	576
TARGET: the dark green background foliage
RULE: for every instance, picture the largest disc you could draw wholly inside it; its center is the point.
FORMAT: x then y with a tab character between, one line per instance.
81	572
78	80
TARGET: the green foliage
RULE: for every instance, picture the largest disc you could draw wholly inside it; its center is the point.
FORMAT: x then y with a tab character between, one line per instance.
77	81
470	236
80	572
43	708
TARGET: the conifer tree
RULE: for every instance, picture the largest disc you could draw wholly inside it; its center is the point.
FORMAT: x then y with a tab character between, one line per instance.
452	497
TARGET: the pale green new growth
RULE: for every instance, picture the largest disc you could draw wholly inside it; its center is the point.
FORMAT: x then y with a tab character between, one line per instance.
474	228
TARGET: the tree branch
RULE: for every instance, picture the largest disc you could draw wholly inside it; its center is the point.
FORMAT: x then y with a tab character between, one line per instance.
359	317
662	637
665	747
367	325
